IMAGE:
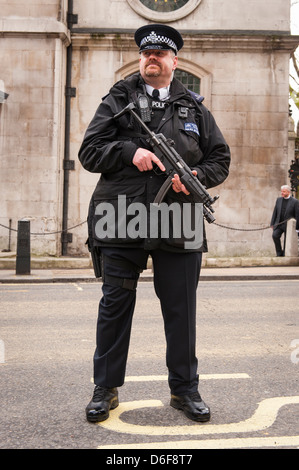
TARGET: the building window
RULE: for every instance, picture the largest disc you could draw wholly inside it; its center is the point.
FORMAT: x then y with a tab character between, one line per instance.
188	80
164	5
164	10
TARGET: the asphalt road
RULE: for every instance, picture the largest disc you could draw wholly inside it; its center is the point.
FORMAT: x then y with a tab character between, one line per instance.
248	350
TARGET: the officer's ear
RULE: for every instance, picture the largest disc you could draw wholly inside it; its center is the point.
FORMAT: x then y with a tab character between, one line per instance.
175	62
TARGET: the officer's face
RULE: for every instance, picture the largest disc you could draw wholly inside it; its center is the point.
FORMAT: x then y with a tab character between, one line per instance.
157	64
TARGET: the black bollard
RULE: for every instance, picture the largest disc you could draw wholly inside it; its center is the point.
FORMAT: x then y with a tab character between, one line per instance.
23	247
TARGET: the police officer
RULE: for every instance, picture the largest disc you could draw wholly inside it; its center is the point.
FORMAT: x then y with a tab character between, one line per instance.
119	150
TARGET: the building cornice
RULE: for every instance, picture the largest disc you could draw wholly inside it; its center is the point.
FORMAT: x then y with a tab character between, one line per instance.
42	27
194	40
216	41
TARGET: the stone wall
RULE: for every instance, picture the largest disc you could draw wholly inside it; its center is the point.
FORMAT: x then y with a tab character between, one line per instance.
33	64
240	51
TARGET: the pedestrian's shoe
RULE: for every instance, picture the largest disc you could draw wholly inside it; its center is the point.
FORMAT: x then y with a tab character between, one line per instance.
103	400
192	405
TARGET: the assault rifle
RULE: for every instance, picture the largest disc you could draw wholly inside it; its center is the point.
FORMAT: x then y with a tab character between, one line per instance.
174	163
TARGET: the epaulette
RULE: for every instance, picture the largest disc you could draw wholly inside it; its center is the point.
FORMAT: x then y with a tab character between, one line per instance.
198	98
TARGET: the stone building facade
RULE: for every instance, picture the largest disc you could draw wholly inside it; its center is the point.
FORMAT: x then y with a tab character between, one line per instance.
59	58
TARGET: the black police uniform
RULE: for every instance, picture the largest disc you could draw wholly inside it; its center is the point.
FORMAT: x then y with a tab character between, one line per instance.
108	148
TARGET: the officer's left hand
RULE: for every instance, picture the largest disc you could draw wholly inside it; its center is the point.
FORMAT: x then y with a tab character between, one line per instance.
177	186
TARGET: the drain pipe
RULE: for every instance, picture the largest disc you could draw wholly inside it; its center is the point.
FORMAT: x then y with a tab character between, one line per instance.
68	164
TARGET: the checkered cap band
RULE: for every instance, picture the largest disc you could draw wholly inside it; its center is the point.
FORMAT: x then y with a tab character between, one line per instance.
156	39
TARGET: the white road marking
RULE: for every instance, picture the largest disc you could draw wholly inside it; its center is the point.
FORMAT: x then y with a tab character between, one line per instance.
77	286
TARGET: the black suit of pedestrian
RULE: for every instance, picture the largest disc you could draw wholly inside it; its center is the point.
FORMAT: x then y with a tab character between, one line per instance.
281	214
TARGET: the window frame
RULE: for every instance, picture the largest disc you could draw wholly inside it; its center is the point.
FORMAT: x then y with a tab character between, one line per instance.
174	15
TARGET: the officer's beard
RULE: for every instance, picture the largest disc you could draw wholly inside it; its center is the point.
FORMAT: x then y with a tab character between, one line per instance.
155	73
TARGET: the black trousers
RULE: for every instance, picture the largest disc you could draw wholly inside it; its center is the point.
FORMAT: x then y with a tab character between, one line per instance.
176	278
276	235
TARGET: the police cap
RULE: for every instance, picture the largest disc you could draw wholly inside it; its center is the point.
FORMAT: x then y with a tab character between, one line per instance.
158	36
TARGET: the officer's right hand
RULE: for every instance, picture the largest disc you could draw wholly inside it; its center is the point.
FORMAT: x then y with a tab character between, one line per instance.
144	160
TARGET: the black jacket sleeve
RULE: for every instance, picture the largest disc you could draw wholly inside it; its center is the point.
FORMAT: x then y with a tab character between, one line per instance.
101	150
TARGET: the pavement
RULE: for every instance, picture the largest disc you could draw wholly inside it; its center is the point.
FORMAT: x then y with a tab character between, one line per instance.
72	269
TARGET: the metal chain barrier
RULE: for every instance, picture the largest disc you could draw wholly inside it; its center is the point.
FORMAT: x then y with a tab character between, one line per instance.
214	223
47	233
245	229
250	229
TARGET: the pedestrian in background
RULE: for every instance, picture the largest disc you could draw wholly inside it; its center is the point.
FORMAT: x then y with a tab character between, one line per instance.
286	207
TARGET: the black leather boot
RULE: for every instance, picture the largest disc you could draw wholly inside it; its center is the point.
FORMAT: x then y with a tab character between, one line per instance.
103	400
192	405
